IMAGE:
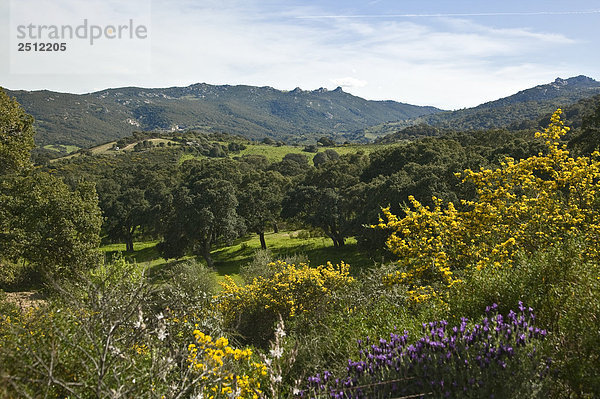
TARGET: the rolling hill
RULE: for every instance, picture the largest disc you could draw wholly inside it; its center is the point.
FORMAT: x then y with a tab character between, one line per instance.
254	112
517	111
298	116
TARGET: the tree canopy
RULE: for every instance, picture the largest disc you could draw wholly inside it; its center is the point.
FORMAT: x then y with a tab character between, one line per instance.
16	135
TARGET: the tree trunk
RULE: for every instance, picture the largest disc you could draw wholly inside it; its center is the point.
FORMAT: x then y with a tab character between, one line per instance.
209	260
206	254
263	244
129	244
275	228
129	239
332	234
329	234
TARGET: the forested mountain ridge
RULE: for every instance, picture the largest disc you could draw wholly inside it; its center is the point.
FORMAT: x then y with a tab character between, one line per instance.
255	112
514	112
296	116
575	116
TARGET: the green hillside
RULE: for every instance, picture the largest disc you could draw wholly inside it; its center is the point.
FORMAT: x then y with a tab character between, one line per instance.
254	112
514	112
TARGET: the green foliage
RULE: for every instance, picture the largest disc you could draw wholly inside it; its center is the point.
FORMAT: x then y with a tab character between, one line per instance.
49	226
367	309
202	211
260	266
292	164
103	335
187	287
588	139
16	135
326	142
327	197
254	112
566	291
260	195
45	228
325	156
82	347
132	197
292	290
324	208
407	133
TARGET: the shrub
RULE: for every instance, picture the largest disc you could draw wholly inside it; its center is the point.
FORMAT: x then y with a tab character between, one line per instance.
524	206
565	291
494	357
292	290
104	337
187	287
263	263
87	342
215	367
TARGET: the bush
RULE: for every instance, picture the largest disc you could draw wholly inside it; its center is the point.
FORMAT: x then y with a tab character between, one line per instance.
494	357
262	264
18	276
254	309
215	366
523	206
187	287
103	336
87	342
565	290
366	308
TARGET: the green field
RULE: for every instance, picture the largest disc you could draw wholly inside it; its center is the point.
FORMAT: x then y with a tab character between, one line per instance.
61	147
271	152
276	154
229	258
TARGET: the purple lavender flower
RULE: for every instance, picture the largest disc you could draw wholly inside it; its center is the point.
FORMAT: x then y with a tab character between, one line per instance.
455	360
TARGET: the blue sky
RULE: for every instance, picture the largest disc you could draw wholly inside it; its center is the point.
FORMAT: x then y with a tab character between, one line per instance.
450	54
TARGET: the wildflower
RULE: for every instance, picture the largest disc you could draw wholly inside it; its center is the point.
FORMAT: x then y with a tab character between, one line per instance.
528	204
162	333
276	352
443	361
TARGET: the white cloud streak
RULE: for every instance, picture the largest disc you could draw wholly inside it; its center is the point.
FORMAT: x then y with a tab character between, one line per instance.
449	61
451	15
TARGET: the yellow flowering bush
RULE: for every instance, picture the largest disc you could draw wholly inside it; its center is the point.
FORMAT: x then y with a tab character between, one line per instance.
425	241
523	205
214	366
290	291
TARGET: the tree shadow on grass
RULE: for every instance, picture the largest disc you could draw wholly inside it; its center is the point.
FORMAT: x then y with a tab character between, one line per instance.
146	254
318	255
228	259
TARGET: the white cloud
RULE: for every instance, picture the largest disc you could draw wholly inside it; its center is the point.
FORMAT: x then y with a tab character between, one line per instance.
349	82
446	62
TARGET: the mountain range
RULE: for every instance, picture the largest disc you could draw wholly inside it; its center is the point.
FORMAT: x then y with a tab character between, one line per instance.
518	111
296	116
254	112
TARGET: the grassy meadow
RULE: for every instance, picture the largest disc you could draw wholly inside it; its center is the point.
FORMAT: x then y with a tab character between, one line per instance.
229	258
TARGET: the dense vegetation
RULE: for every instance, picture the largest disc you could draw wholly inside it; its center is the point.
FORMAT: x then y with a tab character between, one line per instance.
519	111
480	277
256	112
66	122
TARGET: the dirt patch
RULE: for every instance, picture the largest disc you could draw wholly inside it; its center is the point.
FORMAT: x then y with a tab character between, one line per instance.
26	300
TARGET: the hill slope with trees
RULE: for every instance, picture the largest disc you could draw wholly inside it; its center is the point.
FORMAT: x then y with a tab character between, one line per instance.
254	112
514	112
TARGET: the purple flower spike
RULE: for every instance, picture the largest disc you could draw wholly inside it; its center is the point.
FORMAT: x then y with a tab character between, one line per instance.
444	360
